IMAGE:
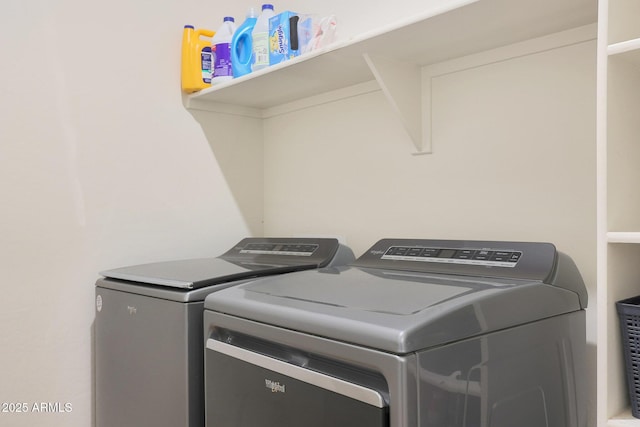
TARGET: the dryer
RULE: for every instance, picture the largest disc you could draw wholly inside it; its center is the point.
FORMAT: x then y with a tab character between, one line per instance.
414	333
148	326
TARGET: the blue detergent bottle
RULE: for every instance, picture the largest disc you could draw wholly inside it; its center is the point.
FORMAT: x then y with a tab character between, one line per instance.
242	45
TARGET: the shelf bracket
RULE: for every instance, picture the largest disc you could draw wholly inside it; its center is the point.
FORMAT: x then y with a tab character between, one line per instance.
401	83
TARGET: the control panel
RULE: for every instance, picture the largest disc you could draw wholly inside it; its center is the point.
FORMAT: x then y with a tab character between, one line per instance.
285	251
290	249
470	256
498	259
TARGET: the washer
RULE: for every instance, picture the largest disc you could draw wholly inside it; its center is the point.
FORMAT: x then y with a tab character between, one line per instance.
148	327
414	333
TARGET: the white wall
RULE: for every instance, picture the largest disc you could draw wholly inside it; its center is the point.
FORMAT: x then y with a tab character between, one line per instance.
101	166
513	158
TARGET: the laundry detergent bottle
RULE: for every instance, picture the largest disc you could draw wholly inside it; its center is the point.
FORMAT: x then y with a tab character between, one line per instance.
260	38
242	46
222	70
196	68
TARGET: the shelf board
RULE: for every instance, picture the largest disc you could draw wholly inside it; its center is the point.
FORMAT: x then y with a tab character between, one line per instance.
624	420
623	237
628	50
457	29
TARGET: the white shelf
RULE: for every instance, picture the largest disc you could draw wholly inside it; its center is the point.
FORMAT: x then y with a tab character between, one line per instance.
459	28
624	420
623	237
628	50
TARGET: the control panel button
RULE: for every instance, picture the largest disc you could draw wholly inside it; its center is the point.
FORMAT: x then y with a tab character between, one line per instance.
465	254
501	256
482	255
414	252
429	253
397	251
514	257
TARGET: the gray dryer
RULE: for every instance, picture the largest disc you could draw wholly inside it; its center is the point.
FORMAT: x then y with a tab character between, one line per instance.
148	327
426	333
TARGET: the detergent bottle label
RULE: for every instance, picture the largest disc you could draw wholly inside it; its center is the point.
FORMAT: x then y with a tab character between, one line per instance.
261	49
222	60
206	62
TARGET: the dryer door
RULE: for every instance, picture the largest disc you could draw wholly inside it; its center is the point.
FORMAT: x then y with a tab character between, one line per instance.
248	389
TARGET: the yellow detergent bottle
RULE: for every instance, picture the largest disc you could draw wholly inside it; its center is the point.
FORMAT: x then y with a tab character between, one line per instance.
197	60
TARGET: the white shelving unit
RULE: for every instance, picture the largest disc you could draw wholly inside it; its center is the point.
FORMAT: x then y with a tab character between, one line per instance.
393	57
618	140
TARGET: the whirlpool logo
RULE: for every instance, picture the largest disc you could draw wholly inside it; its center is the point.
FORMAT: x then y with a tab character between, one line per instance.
275	387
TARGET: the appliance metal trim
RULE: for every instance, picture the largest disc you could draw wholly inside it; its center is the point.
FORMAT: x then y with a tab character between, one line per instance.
336	385
182	284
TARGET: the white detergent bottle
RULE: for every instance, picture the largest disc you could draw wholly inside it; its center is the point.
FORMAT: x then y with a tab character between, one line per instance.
221	50
260	38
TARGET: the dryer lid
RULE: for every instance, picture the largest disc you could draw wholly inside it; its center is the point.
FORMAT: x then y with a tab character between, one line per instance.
398	311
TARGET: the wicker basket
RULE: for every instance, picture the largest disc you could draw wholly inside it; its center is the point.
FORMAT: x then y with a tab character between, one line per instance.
629	314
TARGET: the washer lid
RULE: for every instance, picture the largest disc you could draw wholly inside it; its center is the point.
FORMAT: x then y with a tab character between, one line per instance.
251	257
196	273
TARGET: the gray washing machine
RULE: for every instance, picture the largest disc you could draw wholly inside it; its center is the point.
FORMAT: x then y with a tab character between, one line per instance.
427	333
148	327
